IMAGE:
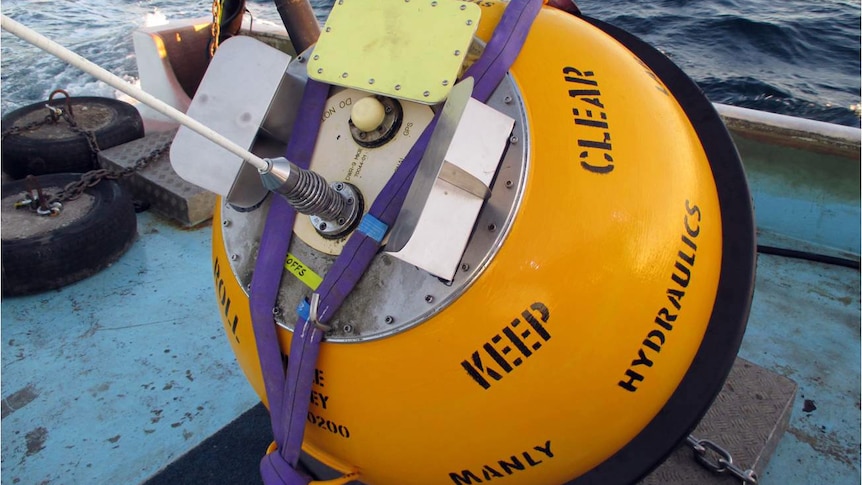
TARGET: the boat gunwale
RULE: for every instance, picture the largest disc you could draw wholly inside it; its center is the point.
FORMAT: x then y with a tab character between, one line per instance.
791	131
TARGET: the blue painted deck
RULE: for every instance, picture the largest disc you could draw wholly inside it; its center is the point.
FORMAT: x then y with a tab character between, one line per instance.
805	318
804	324
124	371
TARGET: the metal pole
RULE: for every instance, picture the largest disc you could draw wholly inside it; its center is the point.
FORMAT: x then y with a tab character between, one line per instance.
55	49
300	22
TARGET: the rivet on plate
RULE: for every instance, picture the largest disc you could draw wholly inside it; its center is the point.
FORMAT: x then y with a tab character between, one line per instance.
329	29
316	57
492	227
429	299
320	70
344	75
509	184
507	100
398	87
426	94
371	81
457	53
234	257
445	82
389	320
469	22
513	139
465	267
225	223
463	7
433	4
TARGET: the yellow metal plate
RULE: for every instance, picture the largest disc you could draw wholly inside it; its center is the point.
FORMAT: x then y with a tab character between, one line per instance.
406	49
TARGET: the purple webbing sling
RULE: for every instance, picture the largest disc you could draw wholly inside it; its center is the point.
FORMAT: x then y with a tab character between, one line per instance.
288	395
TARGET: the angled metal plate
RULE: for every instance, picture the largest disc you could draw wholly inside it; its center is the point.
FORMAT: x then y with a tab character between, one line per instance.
429	166
406	49
245	92
448	192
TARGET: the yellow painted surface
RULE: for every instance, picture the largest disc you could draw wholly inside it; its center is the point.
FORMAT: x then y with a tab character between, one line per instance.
302	272
402	49
235	312
613	233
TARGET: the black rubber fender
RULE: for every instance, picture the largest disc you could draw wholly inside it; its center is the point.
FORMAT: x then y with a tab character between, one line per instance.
42	253
55	147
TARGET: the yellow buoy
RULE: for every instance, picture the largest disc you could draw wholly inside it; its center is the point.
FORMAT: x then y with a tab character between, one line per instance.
598	306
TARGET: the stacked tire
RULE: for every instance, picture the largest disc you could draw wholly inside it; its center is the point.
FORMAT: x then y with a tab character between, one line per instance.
41	253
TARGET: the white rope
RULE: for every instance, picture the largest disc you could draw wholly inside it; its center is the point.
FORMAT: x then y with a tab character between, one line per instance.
101	74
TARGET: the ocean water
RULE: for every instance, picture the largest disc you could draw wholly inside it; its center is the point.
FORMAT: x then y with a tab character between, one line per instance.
794	57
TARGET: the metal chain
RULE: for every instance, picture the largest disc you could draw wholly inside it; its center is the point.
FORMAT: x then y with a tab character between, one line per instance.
40	203
36	201
88	135
722	464
17	130
53	116
215	31
73	190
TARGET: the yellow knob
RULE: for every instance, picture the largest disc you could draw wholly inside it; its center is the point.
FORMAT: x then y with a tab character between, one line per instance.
367	114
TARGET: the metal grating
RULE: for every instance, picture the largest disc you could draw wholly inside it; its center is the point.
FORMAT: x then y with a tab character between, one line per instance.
158	184
748	418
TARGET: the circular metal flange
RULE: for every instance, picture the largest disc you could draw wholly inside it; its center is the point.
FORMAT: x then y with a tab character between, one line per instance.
354	206
387	129
337	156
392	296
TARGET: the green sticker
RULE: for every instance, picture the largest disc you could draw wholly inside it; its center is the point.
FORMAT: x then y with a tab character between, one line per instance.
302	272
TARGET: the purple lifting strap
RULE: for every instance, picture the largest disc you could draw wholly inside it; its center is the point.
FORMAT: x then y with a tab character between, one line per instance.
288	396
274	243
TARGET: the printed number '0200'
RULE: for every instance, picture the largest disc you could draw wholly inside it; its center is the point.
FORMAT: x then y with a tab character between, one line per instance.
328	425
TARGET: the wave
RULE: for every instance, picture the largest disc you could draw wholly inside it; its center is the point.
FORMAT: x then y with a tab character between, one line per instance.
790	57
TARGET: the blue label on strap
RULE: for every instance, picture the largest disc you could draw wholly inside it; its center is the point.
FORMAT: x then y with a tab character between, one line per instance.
303	309
373	227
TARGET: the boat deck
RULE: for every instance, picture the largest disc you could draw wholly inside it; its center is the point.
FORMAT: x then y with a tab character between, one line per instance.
110	379
804	325
113	378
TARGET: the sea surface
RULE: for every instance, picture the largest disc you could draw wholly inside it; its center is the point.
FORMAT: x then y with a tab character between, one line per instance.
794	57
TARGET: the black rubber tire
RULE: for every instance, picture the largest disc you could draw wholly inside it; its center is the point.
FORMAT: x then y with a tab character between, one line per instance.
89	235
55	148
